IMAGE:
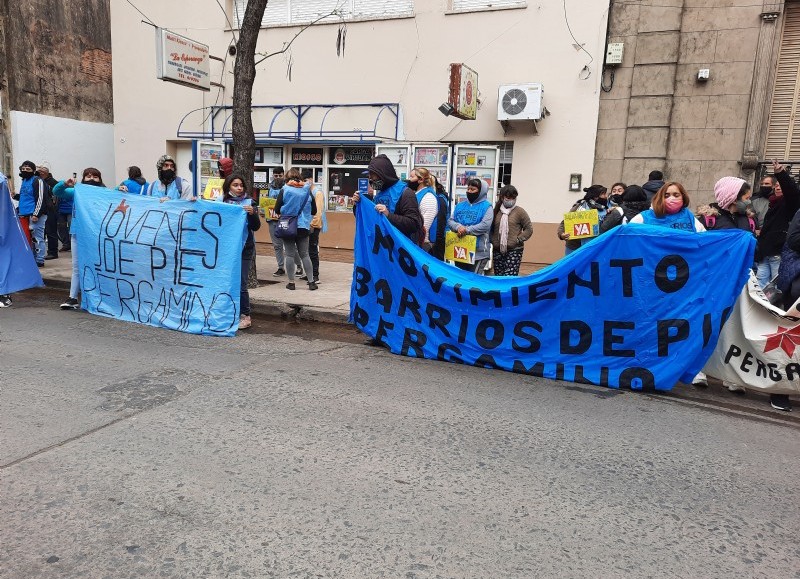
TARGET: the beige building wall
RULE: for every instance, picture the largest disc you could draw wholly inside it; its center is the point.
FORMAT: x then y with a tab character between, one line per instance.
658	115
397	60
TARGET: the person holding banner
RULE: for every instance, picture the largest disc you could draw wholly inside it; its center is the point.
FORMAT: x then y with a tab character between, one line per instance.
633	201
169	186
295	200
135	183
595	198
731	209
474	216
512	227
65	190
670	208
233	192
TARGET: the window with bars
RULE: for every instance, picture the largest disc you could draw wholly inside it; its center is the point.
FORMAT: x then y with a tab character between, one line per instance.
476	5
289	12
783	133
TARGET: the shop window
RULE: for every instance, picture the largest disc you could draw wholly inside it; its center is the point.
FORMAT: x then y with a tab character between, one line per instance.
345	168
783	133
476	5
291	12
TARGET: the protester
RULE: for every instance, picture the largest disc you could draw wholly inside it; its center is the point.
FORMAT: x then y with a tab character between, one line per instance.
392	198
511	228
233	192
274	189
169	186
731	209
319	224
295	199
66	190
760	199
64	216
595	197
423	184
225	167
615	194
784	202
51	227
135	183
654	183
474	216
789	284
632	202
438	229
32	208
670	208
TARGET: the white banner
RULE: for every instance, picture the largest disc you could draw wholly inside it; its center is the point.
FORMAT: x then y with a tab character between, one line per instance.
759	346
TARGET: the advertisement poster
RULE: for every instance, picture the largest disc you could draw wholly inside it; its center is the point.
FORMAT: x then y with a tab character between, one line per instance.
267	205
213	190
461	249
582	224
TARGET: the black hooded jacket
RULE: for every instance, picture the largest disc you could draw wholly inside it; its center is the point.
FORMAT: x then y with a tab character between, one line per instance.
406	216
777	218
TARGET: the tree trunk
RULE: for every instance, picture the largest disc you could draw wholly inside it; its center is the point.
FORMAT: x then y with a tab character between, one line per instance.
244	74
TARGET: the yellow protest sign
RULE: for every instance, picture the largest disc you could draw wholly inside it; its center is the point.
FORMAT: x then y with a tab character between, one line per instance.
582	224
213	190
267	205
461	249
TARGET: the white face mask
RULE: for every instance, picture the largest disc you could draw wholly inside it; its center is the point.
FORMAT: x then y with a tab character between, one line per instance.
509	203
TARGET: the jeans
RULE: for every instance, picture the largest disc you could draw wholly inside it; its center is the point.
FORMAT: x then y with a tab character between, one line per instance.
767	269
313	252
75	282
278	245
477	267
297	248
39	249
244	296
64	225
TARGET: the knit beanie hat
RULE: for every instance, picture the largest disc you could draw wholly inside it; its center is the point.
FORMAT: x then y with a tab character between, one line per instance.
726	190
163	159
593	192
633	193
30	164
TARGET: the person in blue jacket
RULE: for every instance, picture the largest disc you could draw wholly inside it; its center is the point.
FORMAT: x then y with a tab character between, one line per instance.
474	217
295	199
135	183
32	208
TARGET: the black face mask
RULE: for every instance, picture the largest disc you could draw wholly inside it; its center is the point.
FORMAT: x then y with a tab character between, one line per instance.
601	201
278	182
472	197
765	191
92	182
617	199
412	184
166	176
377	184
26	174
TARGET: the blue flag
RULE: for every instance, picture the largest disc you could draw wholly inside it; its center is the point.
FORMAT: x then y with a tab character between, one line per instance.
175	265
639	307
18	269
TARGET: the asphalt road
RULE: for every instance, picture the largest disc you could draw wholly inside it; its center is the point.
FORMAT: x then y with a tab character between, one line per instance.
127	451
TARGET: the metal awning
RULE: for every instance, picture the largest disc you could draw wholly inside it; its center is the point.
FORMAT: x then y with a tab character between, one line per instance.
319	123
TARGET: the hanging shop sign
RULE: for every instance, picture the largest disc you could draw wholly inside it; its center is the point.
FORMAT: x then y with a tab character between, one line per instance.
182	60
308	156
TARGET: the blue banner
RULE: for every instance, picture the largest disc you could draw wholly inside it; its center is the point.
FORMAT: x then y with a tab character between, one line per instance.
174	265
18	270
639	307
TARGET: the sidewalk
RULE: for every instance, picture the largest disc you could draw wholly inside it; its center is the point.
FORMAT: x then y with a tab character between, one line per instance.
330	303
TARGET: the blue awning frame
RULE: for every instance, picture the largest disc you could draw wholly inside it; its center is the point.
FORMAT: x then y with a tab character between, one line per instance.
220	116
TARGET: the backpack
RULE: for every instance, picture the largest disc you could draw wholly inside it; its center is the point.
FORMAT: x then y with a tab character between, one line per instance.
711	220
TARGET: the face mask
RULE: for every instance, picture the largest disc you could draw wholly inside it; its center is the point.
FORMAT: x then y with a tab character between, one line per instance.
472	197
377	184
25	174
167	175
93	182
509	203
765	191
616	199
673	204
741	206
601	201
412	184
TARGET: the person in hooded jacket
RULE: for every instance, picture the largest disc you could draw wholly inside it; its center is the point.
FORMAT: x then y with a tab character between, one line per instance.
225	167
32	208
655	181
731	208
595	197
393	198
295	198
135	183
51	230
511	228
66	190
233	192
474	216
784	202
633	201
169	186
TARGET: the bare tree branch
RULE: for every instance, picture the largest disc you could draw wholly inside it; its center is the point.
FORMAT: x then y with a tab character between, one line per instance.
288	45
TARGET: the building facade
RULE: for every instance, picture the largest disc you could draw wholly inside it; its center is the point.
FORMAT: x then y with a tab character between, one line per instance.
705	89
55	85
387	82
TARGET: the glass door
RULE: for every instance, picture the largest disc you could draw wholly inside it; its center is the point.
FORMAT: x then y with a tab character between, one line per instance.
399	155
475	162
436	159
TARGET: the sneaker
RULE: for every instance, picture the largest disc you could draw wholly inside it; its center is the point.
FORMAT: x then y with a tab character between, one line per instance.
50	256
71	304
280	272
245	322
312	286
5	301
736	388
780	402
700	380
290	285
40	264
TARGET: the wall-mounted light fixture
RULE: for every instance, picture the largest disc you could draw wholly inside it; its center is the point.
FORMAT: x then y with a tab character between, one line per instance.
446	109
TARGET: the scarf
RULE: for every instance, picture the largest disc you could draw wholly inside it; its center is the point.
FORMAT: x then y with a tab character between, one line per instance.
504	227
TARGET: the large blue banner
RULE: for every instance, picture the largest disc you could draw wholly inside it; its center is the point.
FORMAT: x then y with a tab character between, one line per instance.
18	270
639	307
175	265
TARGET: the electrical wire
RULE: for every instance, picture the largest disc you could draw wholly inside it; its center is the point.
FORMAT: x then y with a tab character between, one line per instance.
579	45
413	62
142	13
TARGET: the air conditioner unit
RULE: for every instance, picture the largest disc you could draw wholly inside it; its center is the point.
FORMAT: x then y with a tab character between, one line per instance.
520	102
